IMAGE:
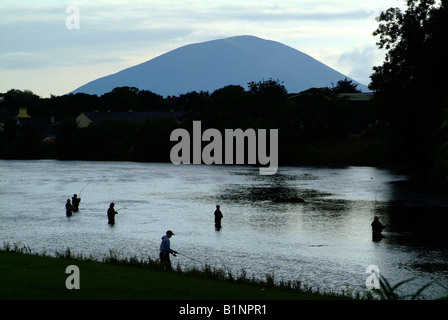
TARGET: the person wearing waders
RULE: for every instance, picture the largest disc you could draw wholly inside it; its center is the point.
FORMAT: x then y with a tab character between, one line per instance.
165	251
68	208
218	217
377	229
111	214
75	203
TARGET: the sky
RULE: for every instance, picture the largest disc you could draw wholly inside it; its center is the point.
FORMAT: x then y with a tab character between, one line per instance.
52	47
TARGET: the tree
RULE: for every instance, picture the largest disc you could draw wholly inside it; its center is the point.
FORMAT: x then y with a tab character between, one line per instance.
346	86
68	105
151	101
269	96
68	139
9	137
15	99
121	98
227	108
411	85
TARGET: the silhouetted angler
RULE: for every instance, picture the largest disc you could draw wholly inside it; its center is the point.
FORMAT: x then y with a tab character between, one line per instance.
165	250
75	203
68	208
111	214
377	228
218	217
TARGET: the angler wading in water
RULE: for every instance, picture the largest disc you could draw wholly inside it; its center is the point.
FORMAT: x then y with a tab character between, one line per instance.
218	217
75	203
111	214
68	208
377	229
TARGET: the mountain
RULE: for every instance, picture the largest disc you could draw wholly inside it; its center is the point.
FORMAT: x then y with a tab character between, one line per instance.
211	65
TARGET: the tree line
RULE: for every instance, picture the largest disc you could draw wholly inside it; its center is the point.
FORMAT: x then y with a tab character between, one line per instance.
319	115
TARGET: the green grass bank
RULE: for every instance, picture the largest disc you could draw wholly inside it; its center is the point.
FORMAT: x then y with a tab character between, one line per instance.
40	277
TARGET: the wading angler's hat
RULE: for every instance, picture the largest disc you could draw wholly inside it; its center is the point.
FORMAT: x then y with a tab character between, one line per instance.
170	232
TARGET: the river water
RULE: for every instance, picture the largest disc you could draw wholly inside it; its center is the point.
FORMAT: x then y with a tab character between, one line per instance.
324	242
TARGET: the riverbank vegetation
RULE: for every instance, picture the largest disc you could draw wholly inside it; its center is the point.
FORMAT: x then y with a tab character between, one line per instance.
27	275
31	276
317	126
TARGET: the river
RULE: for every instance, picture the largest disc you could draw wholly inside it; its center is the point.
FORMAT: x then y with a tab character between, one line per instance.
325	242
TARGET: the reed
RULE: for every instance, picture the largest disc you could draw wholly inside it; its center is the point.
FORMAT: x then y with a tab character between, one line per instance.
386	291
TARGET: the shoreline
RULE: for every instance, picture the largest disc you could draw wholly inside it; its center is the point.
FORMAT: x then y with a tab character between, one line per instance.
33	276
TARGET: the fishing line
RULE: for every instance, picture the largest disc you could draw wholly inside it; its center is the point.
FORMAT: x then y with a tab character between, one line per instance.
189	257
79	194
380	185
128	205
377	207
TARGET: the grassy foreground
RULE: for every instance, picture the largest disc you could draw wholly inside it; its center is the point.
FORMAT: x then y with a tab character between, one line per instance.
31	276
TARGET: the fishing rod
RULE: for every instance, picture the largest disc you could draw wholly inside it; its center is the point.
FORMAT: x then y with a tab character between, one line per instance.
127	205
79	194
189	257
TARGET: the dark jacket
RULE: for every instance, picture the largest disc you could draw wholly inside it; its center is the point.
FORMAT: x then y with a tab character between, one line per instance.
111	214
165	245
377	227
218	216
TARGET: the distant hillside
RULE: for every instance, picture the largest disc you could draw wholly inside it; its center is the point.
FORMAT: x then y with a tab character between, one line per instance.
211	65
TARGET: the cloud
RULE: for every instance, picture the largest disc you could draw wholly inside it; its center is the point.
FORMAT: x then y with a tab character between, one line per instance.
21	60
359	62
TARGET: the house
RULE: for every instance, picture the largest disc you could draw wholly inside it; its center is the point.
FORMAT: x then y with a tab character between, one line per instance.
23	113
360	110
357	96
87	118
47	127
4	115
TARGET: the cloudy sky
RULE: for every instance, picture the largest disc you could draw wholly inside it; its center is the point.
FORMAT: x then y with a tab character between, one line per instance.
42	48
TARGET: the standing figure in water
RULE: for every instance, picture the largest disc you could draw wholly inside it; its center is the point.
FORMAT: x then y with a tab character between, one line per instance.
377	228
75	203
111	214
68	208
218	217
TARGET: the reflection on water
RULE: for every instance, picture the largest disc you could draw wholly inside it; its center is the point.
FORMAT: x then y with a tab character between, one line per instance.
308	224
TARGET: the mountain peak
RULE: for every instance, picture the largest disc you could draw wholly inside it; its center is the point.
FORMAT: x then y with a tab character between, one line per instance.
211	65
